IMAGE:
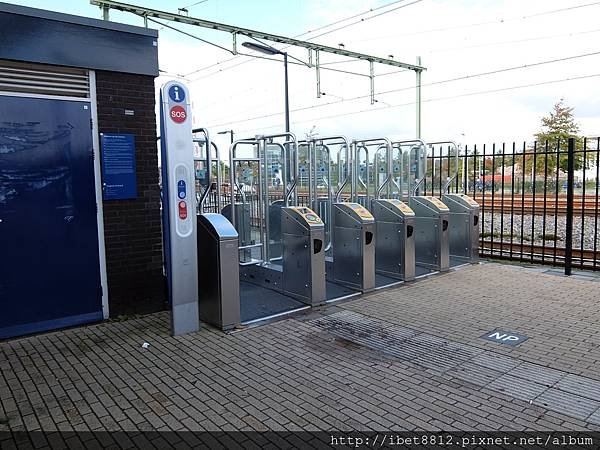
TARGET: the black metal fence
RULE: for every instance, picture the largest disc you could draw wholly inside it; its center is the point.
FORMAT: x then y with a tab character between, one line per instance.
539	201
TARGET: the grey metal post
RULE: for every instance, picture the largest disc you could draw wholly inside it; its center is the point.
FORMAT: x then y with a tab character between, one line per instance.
418	112
263	182
570	194
208	144
287	103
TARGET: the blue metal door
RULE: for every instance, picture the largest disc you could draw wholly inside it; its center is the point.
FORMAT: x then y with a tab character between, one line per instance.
49	263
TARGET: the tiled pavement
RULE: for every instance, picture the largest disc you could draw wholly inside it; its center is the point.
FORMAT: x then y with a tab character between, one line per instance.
296	375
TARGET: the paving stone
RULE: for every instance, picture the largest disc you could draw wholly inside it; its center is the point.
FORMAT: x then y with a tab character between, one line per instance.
566	403
495	361
410	352
579	385
517	387
475	374
595	418
539	374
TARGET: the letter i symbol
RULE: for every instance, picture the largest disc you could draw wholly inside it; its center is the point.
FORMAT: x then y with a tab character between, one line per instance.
176	93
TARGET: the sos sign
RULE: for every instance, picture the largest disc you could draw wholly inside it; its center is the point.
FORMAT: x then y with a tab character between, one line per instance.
178	114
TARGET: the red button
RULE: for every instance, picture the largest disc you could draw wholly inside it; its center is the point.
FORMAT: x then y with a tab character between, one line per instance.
182	210
178	114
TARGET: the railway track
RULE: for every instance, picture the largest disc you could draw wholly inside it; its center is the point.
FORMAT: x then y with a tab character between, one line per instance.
590	206
519	204
588	259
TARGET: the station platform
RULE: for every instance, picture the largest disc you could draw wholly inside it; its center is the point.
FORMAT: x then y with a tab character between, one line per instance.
413	357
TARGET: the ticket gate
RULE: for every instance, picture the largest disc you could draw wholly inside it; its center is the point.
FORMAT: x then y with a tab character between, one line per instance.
242	226
394	220
464	228
300	274
303	263
394	239
353	254
431	233
218	271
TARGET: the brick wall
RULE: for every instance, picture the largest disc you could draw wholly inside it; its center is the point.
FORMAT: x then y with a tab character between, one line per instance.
133	227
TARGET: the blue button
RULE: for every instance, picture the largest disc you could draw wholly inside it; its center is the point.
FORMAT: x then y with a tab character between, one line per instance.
177	93
181	189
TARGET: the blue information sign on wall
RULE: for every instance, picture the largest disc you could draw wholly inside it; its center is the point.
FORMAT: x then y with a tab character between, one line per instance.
118	166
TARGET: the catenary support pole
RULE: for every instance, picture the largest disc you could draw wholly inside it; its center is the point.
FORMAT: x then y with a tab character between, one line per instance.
418	111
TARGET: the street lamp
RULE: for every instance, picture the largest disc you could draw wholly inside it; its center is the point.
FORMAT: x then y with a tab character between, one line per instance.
273	51
230	132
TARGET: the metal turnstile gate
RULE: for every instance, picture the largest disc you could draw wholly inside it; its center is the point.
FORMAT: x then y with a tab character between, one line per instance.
303	234
431	232
464	228
394	239
300	274
353	262
218	271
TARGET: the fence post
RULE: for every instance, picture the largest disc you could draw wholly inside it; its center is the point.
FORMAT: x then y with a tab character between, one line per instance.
570	193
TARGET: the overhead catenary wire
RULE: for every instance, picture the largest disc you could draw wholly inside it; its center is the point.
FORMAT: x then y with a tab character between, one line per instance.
506	69
497	21
185	7
514	41
330	69
311	31
299	63
164	24
477	24
451	97
432	83
369	18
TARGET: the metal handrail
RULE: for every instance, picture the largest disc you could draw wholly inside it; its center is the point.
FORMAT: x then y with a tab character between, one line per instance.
343	141
326	148
289	153
389	174
204	195
284	168
456	158
381	142
232	161
418	181
358	178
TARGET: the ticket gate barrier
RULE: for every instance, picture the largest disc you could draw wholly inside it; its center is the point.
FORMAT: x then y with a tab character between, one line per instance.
242	225
464	228
353	262
394	220
394	239
303	263
300	274
431	232
218	271
463	219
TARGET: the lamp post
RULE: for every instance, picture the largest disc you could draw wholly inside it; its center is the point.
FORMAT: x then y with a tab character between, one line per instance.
273	51
230	132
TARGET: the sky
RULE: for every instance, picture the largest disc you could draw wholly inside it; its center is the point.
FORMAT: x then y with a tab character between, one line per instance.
514	59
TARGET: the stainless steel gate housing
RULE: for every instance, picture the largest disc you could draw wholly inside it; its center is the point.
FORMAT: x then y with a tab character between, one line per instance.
464	227
303	234
353	262
394	239
218	271
431	232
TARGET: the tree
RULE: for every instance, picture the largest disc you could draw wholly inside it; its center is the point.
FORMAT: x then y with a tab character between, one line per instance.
557	128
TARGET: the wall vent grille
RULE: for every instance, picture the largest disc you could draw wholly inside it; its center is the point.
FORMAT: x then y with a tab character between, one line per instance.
26	78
